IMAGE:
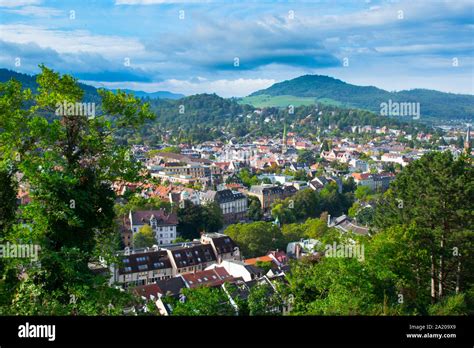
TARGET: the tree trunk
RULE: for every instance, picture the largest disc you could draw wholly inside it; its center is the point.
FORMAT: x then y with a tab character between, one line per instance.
433	279
441	269
458	276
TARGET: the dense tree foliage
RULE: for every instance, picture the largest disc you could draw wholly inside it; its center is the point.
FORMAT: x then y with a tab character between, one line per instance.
194	219
256	238
202	301
68	159
418	262
308	203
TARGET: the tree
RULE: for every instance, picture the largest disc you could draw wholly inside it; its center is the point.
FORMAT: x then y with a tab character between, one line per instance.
213	218
256	238
194	219
264	300
190	220
68	159
255	209
306	156
144	238
202	301
362	193
435	193
8	205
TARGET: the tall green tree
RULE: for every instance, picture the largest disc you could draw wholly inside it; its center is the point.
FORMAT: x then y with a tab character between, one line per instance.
435	194
68	158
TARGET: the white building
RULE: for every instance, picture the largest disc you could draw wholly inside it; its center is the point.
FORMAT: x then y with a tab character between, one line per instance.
163	224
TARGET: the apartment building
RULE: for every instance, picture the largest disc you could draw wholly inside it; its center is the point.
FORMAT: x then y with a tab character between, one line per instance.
163	224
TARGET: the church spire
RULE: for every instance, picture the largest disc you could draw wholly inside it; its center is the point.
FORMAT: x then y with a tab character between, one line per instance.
283	146
467	141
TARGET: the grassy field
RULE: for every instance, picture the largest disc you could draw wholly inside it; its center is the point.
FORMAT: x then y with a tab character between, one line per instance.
283	101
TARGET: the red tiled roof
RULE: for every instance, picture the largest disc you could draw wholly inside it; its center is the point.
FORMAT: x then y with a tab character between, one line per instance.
147	291
253	261
212	277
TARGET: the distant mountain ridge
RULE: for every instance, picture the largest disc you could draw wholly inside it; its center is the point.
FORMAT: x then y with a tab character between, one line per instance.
29	81
153	95
432	103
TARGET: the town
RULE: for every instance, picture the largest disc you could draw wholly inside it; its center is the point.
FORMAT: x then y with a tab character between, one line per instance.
168	244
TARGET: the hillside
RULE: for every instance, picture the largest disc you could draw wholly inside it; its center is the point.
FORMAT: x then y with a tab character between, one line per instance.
29	81
325	88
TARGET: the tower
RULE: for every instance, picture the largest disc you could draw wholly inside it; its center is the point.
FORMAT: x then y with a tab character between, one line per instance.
467	140
283	146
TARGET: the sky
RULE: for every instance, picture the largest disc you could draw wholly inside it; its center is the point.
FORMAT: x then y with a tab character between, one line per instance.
233	48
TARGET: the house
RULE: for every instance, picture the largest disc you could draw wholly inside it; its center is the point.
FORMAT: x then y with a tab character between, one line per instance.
382	181
267	194
168	288
191	257
238	269
337	155
345	224
319	182
141	267
239	292
364	179
358	165
394	158
223	246
233	204
212	277
162	223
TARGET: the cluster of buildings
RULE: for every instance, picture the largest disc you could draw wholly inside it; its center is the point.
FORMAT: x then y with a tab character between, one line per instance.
214	260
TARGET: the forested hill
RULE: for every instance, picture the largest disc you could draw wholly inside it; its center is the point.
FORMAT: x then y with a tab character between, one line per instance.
325	88
203	117
29	81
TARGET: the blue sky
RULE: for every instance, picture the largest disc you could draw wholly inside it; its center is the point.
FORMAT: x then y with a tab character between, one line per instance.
145	45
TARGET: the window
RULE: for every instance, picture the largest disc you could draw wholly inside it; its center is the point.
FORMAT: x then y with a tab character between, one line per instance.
142	267
142	258
214	277
126	260
205	278
199	280
177	255
128	269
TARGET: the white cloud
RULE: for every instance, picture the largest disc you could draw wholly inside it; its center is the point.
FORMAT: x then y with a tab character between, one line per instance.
36	11
18	3
75	41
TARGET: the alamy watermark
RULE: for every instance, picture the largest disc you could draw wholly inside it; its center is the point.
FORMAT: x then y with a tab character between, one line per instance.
75	109
19	251
345	250
400	109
